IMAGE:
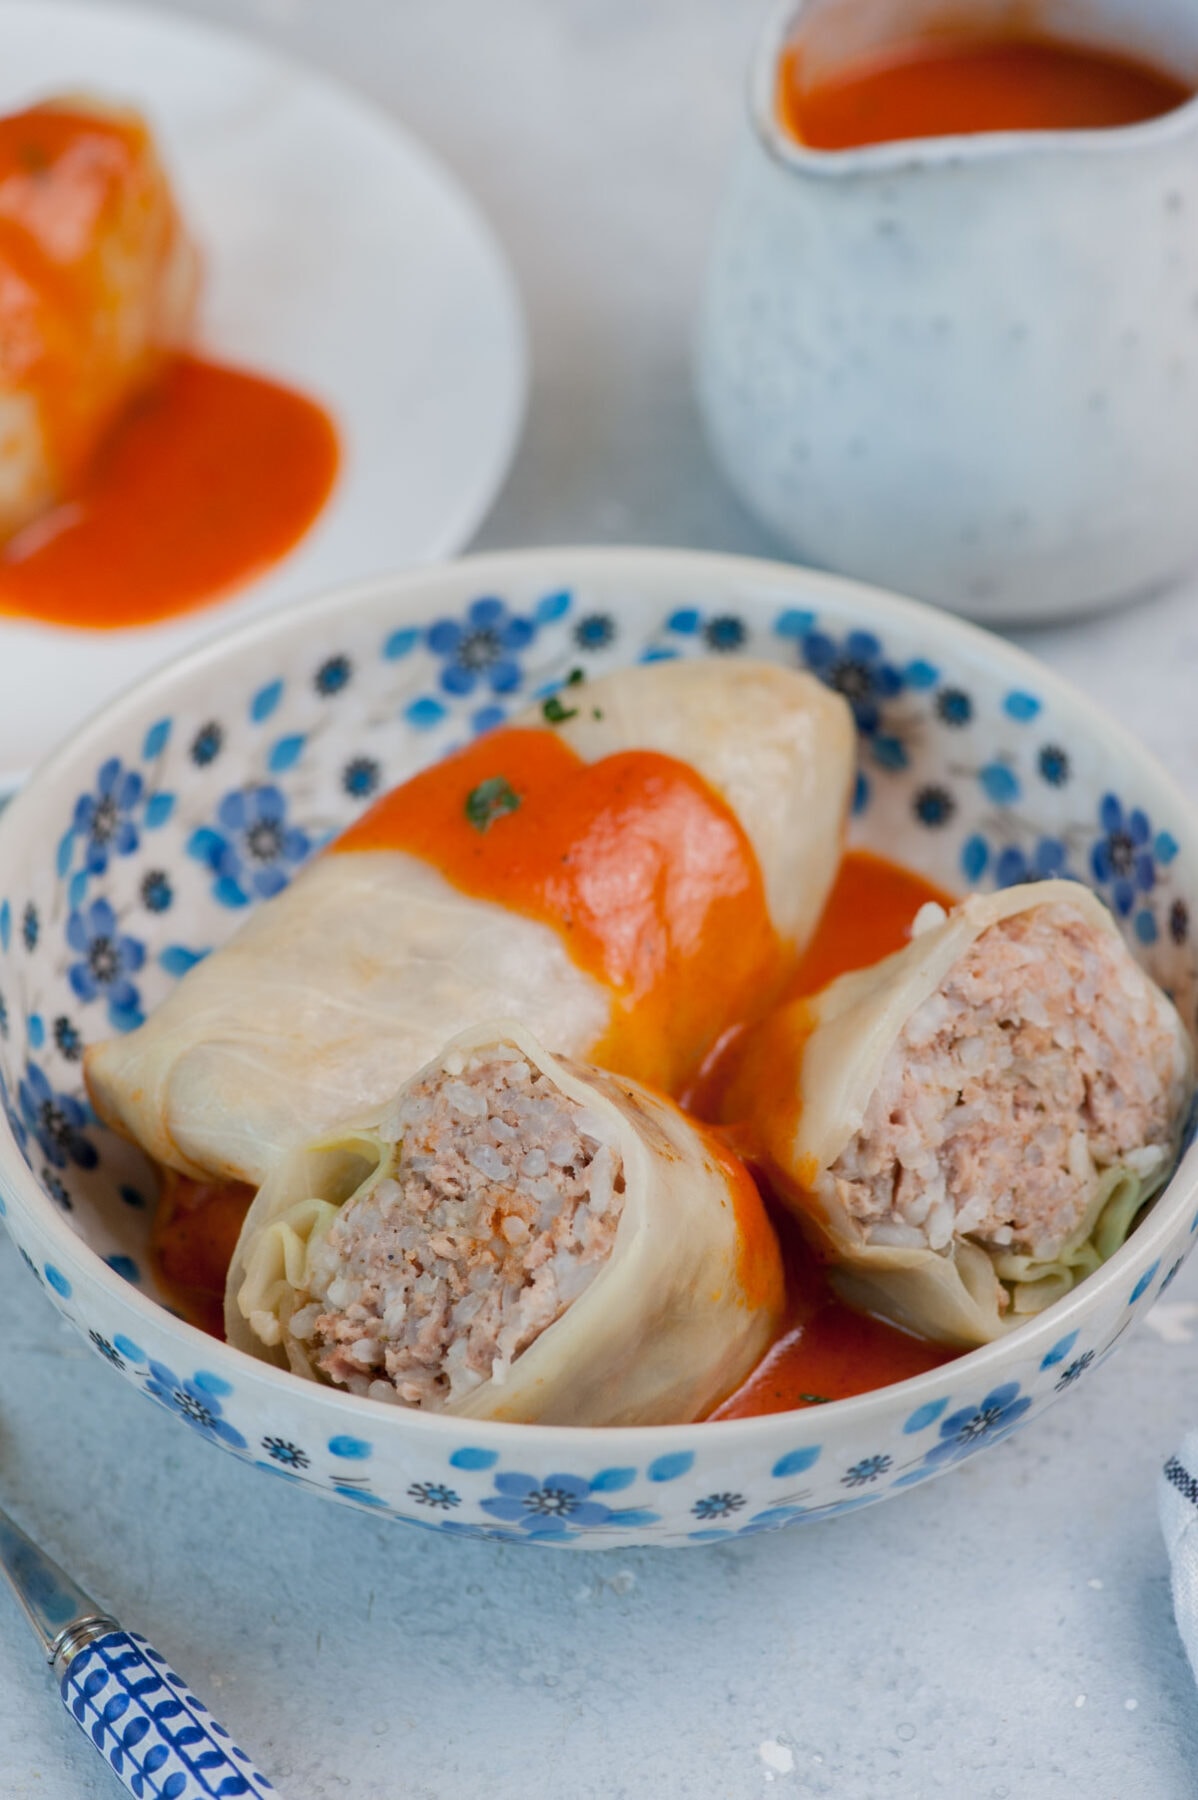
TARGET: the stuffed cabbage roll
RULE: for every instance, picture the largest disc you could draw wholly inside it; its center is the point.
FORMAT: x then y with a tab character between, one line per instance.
518	1237
98	282
626	871
971	1126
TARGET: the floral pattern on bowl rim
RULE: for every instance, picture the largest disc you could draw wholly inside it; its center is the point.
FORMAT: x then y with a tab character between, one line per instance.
146	841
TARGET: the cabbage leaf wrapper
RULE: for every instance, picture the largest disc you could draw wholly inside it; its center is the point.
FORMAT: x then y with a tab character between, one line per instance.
98	288
973	1125
354	976
513	1236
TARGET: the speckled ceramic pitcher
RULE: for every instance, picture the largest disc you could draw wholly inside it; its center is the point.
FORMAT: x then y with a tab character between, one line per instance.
966	367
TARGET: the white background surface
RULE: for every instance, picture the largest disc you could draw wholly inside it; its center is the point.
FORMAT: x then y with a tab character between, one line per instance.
1004	1634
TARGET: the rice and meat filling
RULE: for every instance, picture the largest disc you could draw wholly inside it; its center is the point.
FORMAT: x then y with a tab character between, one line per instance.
502	1208
1046	1054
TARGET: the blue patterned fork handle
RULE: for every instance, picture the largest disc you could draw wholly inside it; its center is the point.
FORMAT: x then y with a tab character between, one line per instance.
157	1737
154	1734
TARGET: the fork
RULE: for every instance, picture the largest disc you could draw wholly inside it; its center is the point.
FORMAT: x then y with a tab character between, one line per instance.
160	1741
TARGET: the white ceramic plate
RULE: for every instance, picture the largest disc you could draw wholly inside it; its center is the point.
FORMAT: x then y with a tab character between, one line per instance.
340	257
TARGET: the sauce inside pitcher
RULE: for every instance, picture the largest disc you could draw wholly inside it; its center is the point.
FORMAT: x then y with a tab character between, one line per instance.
943	87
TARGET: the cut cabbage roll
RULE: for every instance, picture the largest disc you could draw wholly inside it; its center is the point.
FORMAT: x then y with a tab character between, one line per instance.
973	1125
682	902
98	283
517	1237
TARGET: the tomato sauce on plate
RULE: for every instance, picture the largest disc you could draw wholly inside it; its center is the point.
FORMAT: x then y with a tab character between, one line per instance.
210	477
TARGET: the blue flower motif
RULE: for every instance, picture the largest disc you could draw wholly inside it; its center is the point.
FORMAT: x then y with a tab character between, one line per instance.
1122	859
1049	859
1076	1369
1054	765
724	633
156	891
332	675
434	1494
55	1120
557	1507
67	1039
206	744
104	819
595	632
965	1431
107	1349
198	1405
255	853
865	1471
283	1451
31	927
855	668
717	1506
1179	921
954	707
360	777
106	958
934	806
482	649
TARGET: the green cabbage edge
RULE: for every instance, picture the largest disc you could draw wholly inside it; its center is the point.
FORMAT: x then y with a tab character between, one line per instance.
1119	1197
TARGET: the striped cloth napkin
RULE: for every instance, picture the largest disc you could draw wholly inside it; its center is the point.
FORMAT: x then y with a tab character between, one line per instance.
1177	1497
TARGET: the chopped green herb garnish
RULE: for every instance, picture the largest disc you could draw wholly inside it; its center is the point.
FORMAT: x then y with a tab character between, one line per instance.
553	710
491	800
596	712
815	1399
557	714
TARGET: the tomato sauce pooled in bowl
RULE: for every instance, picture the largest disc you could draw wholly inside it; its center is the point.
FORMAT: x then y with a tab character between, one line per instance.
951	86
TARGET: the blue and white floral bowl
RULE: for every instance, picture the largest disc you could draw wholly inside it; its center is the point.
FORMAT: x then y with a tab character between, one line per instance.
146	840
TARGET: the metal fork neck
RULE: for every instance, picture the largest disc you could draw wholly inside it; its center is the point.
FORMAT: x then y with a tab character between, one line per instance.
76	1637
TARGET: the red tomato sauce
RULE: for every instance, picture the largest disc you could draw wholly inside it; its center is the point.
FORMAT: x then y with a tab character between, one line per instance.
945	86
868	915
824	1351
192	1240
642	869
211	477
